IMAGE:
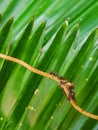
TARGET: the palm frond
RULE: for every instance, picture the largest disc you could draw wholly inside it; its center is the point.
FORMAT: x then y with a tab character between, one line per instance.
30	101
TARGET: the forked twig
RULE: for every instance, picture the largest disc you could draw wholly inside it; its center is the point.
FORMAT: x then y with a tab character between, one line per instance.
64	84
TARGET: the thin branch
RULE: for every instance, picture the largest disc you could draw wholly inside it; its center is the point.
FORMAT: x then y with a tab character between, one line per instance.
64	84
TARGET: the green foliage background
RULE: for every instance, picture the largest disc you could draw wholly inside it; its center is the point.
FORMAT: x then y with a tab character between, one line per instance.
36	32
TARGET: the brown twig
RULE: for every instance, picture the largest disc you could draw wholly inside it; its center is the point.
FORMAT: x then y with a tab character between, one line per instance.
64	84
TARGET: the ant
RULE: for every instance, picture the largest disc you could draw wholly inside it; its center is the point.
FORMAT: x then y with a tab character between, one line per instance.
61	78
71	95
53	73
70	87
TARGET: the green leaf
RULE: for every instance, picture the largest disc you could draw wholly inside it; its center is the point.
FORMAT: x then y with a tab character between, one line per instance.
7	66
0	18
16	113
29	101
5	35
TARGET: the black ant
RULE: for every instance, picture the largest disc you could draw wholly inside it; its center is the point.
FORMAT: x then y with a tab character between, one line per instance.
61	78
71	95
53	73
70	87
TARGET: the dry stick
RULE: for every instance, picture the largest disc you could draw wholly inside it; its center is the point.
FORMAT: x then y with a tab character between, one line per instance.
53	77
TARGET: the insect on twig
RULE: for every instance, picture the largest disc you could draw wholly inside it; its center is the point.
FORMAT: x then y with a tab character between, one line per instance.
69	86
64	84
